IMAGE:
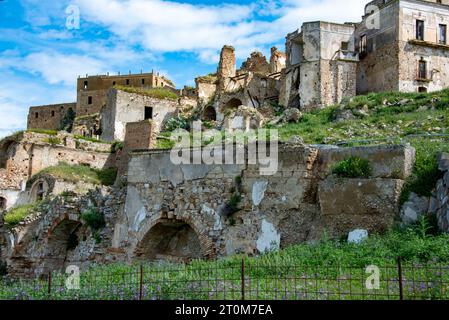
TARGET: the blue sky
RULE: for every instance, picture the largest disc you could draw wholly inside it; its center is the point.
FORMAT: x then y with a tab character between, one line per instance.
40	57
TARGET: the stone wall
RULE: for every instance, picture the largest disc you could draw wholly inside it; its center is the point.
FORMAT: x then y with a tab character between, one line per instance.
296	204
441	201
48	117
124	107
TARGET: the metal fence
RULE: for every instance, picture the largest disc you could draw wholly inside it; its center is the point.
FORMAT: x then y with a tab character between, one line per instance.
245	281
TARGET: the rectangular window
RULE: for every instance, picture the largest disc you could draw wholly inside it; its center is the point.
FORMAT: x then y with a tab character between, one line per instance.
52	113
127	82
148	113
143	81
443	34
89	100
422	69
362	45
86	85
36	115
419	30
422	89
345	46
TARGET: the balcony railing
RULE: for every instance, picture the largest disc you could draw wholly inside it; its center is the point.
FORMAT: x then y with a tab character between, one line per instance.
347	55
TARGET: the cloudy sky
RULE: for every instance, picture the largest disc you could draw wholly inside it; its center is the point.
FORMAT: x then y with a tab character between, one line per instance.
42	50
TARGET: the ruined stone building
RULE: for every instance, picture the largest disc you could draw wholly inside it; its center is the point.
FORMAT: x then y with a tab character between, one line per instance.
161	211
93	95
400	45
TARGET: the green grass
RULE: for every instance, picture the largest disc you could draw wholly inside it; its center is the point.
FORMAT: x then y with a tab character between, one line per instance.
78	173
53	141
328	269
158	93
19	213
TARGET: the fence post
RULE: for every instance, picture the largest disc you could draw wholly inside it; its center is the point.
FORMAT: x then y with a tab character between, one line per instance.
49	283
243	278
141	283
401	289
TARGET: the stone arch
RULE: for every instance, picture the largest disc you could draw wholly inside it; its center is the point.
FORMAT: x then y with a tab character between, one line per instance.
183	239
209	114
62	238
234	103
39	190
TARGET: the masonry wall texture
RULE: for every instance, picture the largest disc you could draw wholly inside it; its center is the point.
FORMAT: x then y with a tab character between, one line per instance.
48	117
124	107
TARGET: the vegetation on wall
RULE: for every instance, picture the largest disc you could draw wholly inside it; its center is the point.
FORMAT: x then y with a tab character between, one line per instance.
95	220
353	167
77	173
68	120
158	93
16	215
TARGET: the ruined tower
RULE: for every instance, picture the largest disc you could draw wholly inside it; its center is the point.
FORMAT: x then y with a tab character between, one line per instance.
277	60
226	68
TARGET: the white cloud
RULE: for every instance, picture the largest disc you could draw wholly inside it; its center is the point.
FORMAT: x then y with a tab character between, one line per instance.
172	27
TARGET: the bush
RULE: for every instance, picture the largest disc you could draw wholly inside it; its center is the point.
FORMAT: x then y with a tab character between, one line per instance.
68	120
94	219
117	146
53	141
107	176
179	122
353	167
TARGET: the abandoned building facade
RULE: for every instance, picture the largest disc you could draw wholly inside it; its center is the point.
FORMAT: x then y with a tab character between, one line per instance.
160	211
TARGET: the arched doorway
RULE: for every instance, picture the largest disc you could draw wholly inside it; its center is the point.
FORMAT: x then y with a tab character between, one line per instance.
3	203
210	114
170	240
39	190
64	238
234	103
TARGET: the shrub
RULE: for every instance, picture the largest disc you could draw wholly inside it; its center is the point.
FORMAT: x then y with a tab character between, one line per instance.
68	120
353	167
107	176
117	146
179	122
94	219
53	140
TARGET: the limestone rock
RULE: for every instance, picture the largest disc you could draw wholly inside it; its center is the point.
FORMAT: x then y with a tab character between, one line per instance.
357	236
292	115
443	162
415	207
344	115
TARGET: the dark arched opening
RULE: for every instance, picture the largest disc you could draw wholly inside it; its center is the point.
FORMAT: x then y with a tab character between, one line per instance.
170	240
210	114
61	242
234	103
3	203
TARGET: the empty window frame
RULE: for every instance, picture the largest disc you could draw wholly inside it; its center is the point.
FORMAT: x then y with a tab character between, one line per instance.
442	34
86	85
148	113
89	100
363	44
422	69
419	30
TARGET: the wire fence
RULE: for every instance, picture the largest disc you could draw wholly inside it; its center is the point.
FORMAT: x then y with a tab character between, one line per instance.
248	281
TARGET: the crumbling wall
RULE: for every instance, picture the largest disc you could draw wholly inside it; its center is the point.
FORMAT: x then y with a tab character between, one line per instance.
124	107
48	117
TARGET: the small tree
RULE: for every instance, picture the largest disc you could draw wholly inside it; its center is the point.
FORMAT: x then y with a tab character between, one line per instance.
67	121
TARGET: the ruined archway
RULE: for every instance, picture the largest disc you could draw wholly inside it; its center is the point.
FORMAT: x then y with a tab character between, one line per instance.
170	240
234	103
61	242
210	114
39	190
